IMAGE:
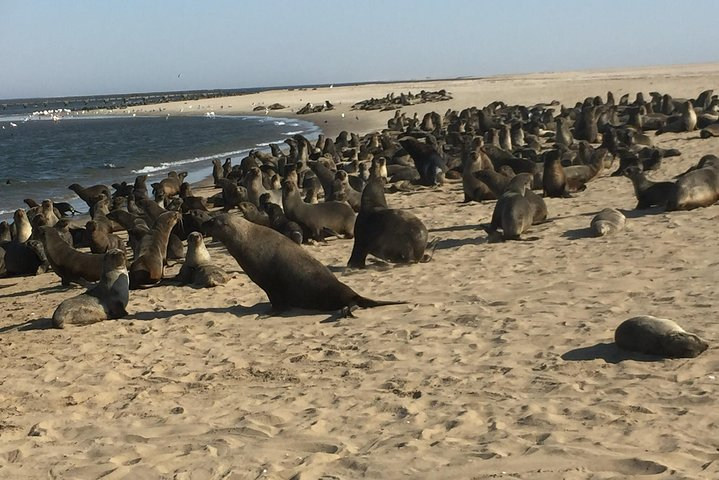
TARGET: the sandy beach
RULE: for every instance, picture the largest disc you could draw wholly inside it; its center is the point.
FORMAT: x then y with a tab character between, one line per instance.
501	364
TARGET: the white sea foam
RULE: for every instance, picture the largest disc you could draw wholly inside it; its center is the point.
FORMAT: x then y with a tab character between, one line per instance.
279	123
294	133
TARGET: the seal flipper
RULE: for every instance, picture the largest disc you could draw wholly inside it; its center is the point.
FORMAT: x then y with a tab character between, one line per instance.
363	302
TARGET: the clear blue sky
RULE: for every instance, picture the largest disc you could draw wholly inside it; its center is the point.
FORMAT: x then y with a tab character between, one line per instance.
87	47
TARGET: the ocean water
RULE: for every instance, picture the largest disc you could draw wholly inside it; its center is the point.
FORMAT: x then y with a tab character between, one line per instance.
41	157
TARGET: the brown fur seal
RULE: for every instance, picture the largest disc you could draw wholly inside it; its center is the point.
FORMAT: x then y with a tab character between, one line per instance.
427	160
686	122
608	221
170	186
106	300
69	264
342	191
90	195
658	336
289	275
149	266
337	217
100	240
217	171
554	180
696	188
389	234
5	235
517	209
648	193
253	214
21	226
197	268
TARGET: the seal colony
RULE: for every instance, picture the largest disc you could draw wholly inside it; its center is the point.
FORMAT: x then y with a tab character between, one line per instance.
481	341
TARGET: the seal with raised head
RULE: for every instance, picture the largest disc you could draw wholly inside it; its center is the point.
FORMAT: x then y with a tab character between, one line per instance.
69	264
554	180
429	163
648	193
658	336
389	234
608	221
90	195
197	268
337	217
106	300
100	240
289	275
149	266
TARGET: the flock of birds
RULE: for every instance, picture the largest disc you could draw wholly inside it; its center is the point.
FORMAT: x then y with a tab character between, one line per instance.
514	154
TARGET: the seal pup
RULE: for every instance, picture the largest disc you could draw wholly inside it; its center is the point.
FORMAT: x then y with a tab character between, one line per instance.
658	336
304	282
197	268
338	217
515	212
106	300
342	191
648	193
149	265
608	221
69	264
392	235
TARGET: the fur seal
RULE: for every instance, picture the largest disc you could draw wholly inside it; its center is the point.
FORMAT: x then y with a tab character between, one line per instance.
696	188
389	234
197	268
517	209
253	214
100	240
554	180
658	336
427	160
686	122
280	223
608	221
648	193
5	235
21	226
106	300
304	282
337	217
90	195
69	264
149	266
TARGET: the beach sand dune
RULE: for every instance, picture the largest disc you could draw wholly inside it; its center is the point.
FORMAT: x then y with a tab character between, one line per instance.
501	364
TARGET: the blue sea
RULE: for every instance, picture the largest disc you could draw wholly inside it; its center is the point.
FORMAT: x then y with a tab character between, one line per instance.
41	154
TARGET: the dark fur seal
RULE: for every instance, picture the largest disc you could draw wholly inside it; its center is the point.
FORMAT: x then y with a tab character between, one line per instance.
658	336
106	300
554	180
289	275
389	234
280	222
336	217
149	266
608	221
648	193
197	269
69	264
429	163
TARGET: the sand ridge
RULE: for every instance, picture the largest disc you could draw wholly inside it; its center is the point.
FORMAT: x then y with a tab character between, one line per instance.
500	366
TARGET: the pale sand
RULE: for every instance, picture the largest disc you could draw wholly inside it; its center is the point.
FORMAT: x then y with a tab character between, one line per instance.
466	381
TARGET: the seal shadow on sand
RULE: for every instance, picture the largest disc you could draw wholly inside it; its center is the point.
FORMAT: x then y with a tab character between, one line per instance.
263	311
609	352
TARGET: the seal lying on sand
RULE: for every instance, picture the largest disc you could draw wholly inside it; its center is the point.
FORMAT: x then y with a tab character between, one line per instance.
608	221
648	193
289	275
197	268
658	336
106	300
392	235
